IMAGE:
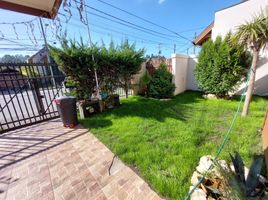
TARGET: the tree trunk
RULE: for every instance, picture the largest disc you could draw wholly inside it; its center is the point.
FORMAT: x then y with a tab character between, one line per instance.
126	88
251	82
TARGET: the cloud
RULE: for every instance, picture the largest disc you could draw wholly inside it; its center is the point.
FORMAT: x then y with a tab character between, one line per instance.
161	1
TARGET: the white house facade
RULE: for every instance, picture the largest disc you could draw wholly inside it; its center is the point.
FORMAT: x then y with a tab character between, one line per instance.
229	19
226	20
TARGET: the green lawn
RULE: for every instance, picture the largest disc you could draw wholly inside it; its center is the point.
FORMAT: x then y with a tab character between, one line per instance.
164	140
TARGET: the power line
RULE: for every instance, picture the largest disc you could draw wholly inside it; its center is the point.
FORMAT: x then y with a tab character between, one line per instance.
130	23
106	33
126	34
143	19
127	25
21	22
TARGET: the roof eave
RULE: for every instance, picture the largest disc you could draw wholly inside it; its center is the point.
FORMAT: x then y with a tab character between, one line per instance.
204	35
30	10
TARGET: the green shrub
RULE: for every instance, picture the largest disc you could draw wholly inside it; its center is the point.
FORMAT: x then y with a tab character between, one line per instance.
115	66
221	66
161	85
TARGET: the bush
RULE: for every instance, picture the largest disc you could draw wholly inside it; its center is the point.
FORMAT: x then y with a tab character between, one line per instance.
161	85
115	66
221	66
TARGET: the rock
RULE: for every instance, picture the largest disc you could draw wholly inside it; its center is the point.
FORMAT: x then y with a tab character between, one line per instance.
204	164
198	194
224	165
195	177
210	96
210	198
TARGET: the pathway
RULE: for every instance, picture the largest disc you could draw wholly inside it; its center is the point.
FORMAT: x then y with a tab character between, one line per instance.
47	161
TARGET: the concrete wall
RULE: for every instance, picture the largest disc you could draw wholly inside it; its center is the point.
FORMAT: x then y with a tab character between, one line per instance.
183	73
191	81
179	72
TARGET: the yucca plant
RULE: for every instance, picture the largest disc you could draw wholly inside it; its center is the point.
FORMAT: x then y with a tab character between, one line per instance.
255	184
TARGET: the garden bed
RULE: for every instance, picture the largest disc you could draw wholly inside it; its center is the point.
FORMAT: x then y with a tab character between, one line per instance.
164	140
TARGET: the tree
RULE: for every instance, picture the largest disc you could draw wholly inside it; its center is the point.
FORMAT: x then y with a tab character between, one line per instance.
14	58
129	60
221	66
115	66
252	34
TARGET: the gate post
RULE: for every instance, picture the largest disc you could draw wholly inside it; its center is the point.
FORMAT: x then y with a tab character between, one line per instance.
37	96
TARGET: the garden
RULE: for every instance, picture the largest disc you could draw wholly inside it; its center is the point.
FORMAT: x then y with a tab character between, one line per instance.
161	136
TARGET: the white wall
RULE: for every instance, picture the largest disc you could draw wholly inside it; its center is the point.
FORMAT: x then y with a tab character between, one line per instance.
179	72
191	81
229	19
183	73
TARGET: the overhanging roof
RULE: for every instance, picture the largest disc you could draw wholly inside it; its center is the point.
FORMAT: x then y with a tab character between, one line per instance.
204	35
41	8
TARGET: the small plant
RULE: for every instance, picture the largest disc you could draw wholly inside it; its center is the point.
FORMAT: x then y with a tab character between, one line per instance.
254	184
161	85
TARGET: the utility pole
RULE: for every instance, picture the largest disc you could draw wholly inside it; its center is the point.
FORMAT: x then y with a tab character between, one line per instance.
48	58
93	58
159	50
174	50
194	44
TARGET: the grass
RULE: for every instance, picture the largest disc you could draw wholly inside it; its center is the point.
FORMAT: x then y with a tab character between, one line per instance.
164	140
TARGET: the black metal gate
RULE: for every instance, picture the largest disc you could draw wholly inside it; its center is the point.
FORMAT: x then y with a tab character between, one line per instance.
27	93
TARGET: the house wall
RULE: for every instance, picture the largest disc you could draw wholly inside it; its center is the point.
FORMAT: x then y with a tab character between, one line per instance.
229	19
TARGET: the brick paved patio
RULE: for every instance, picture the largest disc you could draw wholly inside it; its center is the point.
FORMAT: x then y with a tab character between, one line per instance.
47	161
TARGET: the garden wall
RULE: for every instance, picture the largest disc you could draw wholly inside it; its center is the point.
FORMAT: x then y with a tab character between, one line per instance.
183	72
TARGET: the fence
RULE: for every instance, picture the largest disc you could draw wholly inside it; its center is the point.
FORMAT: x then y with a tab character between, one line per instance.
121	92
27	93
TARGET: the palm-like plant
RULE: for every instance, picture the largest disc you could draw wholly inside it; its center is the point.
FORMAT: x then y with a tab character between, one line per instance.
253	34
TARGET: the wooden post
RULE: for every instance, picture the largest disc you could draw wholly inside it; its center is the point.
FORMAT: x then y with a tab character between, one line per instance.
265	139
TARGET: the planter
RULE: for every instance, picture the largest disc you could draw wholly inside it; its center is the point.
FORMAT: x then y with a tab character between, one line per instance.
88	108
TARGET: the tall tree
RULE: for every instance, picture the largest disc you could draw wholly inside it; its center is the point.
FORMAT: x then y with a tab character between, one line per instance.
253	34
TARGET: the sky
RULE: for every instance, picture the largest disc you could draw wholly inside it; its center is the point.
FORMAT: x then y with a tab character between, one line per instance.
175	23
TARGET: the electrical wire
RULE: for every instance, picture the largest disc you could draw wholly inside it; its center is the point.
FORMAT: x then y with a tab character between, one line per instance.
130	23
143	19
127	34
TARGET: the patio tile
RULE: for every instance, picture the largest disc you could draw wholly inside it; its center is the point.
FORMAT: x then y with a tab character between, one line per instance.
51	162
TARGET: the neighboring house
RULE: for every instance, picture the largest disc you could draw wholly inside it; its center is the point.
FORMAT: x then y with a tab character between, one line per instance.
154	63
227	20
40	57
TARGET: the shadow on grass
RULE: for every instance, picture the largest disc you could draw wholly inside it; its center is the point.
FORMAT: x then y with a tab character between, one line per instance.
178	108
